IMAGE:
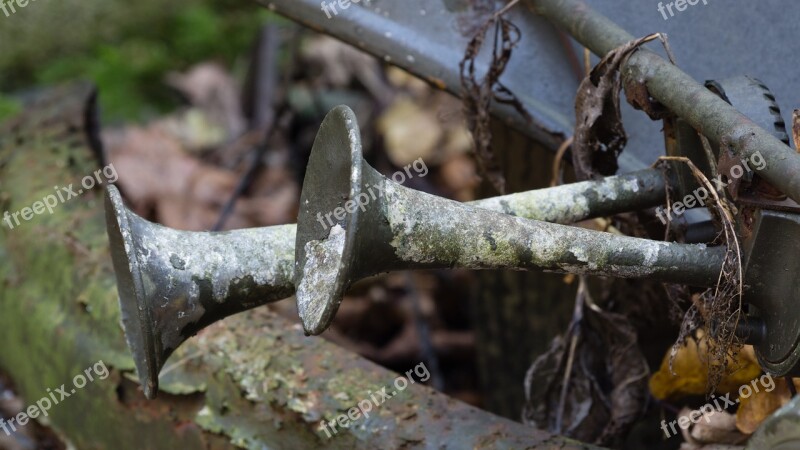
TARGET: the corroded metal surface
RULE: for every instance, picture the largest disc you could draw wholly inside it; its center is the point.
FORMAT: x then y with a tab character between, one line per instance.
174	283
574	202
388	227
772	263
780	431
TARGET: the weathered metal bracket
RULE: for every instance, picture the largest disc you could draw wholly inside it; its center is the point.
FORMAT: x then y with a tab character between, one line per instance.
770	273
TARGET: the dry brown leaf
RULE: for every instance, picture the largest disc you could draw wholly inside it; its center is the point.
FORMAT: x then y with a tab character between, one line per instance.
796	129
477	95
459	176
599	134
339	64
718	428
605	380
158	176
211	89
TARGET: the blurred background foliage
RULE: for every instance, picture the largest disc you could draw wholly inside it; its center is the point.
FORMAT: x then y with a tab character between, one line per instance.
126	48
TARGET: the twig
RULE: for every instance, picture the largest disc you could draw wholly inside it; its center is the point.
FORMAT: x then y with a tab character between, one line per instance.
719	312
562	150
575	331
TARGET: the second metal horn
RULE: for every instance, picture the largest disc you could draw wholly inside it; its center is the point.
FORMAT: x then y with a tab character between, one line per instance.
389	227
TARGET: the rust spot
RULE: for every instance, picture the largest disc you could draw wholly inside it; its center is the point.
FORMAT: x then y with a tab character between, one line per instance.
437	82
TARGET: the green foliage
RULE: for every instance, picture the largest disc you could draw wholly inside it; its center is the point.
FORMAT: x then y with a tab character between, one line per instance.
126	48
8	107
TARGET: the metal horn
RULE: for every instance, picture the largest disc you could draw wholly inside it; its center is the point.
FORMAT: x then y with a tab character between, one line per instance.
389	227
174	283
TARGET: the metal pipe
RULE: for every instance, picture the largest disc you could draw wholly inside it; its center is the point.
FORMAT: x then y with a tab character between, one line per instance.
574	202
679	92
433	231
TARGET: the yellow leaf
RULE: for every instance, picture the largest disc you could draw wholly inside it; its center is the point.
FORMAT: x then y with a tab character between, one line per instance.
690	375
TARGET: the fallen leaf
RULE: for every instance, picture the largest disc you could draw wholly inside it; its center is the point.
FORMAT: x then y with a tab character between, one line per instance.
689	374
760	405
606	384
599	134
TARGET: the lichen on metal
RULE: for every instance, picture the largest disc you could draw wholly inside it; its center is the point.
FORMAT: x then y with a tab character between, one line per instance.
574	202
428	229
403	229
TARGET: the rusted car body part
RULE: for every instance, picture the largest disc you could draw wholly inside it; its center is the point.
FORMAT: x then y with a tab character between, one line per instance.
428	39
252	381
174	283
401	229
681	94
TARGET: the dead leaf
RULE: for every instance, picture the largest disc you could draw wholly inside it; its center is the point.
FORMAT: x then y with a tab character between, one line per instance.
755	408
410	132
212	90
599	134
689	374
339	64
478	95
717	428
157	175
606	380
459	177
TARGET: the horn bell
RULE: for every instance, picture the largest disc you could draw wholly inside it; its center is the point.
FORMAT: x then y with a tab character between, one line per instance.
173	283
